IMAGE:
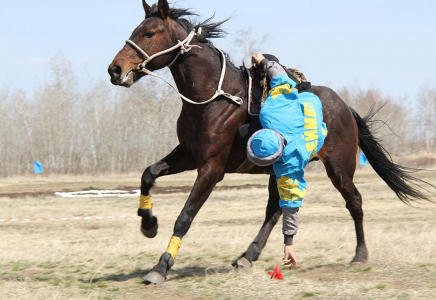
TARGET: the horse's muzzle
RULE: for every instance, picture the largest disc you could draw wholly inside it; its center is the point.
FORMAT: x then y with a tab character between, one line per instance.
118	77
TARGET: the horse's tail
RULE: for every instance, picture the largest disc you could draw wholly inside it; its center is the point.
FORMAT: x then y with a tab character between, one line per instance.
398	178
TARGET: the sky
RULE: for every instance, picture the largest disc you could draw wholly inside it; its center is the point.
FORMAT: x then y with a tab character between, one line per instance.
388	45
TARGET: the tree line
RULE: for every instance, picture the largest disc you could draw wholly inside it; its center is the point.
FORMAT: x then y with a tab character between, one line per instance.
74	128
97	128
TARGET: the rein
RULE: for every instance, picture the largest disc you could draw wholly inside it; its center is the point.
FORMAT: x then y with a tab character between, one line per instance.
185	47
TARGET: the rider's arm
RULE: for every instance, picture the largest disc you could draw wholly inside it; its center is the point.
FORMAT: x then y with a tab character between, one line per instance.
276	73
290	224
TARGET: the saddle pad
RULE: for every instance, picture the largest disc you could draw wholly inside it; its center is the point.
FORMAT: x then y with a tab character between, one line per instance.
253	84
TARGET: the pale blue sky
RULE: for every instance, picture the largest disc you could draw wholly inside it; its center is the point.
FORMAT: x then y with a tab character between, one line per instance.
390	45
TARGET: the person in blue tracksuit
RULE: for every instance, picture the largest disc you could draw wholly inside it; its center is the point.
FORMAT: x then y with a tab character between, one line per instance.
292	133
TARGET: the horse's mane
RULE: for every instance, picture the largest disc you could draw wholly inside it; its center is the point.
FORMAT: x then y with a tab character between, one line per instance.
209	29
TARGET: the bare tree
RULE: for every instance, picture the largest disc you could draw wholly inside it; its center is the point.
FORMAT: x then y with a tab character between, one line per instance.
393	122
246	44
427	117
97	128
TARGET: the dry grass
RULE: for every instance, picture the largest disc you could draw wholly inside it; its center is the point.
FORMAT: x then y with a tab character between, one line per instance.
106	259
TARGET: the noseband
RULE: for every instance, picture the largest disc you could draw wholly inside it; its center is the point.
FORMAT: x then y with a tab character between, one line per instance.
185	47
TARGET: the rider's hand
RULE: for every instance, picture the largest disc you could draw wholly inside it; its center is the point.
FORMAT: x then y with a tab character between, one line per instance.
257	58
290	259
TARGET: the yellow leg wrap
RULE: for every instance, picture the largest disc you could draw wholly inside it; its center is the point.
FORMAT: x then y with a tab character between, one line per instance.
145	202
174	246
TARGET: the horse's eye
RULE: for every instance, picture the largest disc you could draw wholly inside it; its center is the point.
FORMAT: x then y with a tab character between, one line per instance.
149	34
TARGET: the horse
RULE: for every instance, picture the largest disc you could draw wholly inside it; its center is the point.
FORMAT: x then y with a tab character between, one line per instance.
214	95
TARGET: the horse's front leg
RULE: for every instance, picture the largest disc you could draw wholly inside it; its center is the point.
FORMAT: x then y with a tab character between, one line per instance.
177	161
207	177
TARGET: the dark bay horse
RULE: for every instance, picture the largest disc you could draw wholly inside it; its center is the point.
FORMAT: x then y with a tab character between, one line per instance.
207	132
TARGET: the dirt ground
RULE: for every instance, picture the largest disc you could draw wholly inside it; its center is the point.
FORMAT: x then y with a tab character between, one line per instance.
106	259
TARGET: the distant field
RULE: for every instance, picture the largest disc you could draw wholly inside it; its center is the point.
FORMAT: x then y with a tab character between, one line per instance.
106	259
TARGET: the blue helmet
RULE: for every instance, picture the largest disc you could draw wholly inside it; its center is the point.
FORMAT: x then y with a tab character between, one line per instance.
265	147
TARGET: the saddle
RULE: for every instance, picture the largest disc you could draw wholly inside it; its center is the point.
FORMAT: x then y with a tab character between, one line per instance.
258	87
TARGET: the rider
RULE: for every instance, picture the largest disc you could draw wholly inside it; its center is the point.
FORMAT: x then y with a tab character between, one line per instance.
293	132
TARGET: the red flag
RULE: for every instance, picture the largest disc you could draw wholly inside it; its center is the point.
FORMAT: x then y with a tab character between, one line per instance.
276	274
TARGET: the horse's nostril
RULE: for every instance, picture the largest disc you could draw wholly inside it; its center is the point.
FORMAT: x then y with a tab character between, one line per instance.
115	71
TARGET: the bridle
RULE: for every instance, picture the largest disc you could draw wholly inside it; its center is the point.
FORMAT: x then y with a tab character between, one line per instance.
185	47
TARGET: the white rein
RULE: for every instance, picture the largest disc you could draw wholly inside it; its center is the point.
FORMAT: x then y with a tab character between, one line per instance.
185	47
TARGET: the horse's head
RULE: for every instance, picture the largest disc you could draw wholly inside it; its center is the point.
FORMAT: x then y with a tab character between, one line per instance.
158	32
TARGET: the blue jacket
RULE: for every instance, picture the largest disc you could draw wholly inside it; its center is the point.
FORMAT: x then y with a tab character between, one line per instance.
298	118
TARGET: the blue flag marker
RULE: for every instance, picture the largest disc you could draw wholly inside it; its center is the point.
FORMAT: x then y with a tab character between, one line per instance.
362	159
38	167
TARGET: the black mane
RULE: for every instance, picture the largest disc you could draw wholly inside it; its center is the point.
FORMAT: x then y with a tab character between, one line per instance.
209	29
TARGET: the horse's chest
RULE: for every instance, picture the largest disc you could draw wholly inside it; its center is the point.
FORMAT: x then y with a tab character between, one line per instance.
189	134
211	131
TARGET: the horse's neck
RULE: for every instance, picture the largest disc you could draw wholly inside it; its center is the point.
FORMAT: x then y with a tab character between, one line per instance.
197	76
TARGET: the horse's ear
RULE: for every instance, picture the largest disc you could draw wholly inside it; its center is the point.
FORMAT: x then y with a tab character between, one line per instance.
164	9
146	6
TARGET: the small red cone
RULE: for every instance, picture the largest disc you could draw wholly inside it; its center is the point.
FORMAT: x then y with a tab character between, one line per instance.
276	274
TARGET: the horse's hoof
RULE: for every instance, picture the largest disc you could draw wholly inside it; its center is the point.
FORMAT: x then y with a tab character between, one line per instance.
154	277
151	233
241	263
356	264
359	259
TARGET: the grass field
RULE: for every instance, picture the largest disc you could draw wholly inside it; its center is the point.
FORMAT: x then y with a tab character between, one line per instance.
106	259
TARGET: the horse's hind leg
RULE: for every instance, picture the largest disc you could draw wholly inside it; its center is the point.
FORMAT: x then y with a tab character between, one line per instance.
273	212
341	174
